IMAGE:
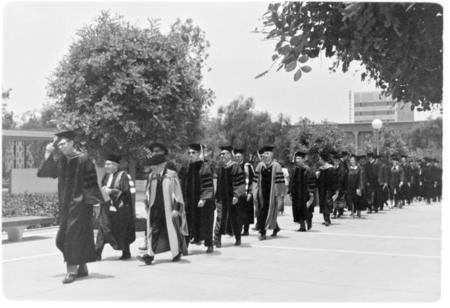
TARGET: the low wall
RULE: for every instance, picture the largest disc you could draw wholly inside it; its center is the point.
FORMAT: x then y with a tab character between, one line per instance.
26	181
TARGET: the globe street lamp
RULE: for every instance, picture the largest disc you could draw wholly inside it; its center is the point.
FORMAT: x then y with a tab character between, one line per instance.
377	124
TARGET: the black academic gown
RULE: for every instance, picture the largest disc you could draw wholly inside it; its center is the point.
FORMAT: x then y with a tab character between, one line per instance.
117	227
78	191
197	184
301	186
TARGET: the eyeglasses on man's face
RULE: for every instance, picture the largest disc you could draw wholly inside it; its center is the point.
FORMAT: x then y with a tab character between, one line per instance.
192	152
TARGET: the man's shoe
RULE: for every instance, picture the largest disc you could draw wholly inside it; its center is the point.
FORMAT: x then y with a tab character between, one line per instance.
302	230
262	237
177	257
147	259
238	242
70	277
309	224
82	271
245	233
210	249
125	256
275	231
327	223
217	243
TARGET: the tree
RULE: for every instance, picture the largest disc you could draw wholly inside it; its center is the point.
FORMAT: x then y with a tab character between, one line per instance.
426	139
241	126
8	121
43	119
400	44
124	87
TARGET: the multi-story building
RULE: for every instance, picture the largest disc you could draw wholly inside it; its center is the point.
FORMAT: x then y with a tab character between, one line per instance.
367	106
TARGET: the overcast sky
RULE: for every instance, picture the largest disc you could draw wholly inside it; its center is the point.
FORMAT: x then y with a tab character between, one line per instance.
37	35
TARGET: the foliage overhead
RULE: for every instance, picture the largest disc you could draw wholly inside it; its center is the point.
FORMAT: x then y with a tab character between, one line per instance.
124	87
8	121
400	44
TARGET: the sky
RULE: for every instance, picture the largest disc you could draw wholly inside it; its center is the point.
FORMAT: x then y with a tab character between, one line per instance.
37	35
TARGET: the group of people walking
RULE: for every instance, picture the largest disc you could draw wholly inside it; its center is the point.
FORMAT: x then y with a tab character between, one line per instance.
205	199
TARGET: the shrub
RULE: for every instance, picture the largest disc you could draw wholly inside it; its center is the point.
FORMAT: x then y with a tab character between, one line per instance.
30	205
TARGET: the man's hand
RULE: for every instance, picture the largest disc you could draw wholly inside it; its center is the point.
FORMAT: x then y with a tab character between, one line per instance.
175	213
308	204
106	190
201	203
49	149
234	201
358	192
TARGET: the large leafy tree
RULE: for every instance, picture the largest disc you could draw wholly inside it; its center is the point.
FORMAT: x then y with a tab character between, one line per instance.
400	44
240	125
124	87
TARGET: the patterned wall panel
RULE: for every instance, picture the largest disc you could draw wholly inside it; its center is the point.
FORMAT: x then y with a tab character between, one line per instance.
20	155
29	159
8	156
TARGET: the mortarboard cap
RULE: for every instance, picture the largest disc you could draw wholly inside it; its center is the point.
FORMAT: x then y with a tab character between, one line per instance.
113	158
195	147
158	145
67	134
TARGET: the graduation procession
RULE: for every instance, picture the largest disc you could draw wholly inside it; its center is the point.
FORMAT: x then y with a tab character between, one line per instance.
236	151
203	199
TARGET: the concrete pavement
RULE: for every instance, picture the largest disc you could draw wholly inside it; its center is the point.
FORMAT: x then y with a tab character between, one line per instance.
390	256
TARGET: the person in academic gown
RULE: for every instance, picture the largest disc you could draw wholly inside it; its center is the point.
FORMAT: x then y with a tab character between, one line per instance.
301	188
230	187
396	180
78	191
198	191
166	216
117	215
269	189
354	187
246	200
327	186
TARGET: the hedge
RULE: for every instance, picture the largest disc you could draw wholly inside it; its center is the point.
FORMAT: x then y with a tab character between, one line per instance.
30	205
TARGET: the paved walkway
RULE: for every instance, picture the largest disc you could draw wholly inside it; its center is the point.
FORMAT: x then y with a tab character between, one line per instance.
390	256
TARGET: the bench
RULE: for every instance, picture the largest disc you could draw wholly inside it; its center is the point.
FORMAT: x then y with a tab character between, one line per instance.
14	226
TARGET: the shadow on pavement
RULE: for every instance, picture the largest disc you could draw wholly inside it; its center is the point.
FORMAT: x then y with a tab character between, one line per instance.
90	276
216	252
27	239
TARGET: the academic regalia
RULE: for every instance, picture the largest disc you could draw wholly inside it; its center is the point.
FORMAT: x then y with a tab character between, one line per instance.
327	187
78	191
165	232
340	175
354	182
230	184
197	184
405	191
302	187
372	185
246	206
268	186
117	227
384	182
396	176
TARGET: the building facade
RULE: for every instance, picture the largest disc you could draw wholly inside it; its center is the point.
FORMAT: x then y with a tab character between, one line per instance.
367	106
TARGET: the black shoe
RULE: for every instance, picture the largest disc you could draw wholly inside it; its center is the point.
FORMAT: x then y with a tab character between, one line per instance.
275	231
262	237
217	243
302	230
177	257
238	242
327	223
125	256
245	233
70	277
82	271
309	224
147	259
210	249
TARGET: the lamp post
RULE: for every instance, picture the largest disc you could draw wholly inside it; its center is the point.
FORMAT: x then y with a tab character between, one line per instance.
377	124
